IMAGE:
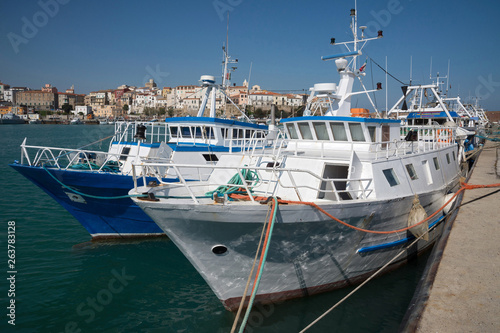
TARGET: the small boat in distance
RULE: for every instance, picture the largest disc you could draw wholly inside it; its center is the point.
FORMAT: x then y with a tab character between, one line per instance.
11	119
76	121
106	121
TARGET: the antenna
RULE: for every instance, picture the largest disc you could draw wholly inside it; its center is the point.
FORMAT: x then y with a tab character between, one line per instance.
386	87
248	84
430	73
448	78
411	69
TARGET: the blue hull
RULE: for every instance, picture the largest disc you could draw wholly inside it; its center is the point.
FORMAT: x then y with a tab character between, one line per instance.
111	218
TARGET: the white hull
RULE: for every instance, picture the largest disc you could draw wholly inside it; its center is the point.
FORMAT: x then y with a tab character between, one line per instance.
309	253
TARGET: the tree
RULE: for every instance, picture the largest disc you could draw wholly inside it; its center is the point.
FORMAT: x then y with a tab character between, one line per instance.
259	113
66	108
170	111
125	108
299	111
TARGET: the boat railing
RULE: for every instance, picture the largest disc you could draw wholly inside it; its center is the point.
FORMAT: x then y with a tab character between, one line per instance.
420	139
67	158
257	140
128	131
275	142
264	182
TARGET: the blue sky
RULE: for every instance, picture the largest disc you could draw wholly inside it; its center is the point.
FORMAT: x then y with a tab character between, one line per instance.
102	44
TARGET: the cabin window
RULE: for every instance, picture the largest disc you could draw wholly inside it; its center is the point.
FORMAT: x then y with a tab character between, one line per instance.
125	152
372	130
237	133
186	132
197	133
338	131
454	158
356	132
320	130
224	132
436	163
411	171
210	157
391	177
427	172
174	131
448	158
209	132
248	134
292	131
386	135
305	131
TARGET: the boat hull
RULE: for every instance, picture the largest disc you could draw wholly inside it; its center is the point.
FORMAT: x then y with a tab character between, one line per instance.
116	218
309	253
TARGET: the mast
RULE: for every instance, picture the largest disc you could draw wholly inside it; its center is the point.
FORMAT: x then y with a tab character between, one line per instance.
227	60
339	96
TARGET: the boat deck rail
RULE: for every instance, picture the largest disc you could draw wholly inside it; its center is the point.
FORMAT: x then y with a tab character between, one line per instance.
251	140
154	132
68	158
416	140
264	182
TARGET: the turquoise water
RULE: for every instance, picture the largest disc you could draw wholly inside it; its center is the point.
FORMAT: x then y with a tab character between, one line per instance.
65	283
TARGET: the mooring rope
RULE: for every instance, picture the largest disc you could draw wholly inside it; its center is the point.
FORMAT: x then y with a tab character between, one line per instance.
263	257
464	187
89	195
242	302
364	282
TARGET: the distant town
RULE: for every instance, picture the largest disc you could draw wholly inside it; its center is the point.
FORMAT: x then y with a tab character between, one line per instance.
148	102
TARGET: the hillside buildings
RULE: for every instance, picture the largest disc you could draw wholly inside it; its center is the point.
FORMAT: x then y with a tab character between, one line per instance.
182	100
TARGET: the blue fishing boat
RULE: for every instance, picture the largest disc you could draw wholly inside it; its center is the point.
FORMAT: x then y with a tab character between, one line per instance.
93	185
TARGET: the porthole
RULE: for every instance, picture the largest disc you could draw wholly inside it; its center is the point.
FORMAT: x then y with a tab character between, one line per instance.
219	250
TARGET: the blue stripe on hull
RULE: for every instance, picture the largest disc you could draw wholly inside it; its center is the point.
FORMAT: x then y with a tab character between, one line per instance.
395	243
116	217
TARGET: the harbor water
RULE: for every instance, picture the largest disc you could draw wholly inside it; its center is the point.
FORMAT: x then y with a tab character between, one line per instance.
62	282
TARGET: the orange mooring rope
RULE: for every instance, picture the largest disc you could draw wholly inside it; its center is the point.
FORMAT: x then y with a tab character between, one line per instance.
266	239
464	187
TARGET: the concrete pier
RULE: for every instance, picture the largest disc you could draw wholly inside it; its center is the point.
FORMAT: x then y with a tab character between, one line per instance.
465	293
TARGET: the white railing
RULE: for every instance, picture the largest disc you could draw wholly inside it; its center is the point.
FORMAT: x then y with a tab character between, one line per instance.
427	138
66	158
155	132
267	183
258	140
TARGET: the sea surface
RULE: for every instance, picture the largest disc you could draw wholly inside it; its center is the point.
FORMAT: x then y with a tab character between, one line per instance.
63	282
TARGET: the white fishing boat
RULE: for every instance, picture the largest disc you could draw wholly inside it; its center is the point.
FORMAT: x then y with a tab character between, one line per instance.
106	121
344	192
430	107
76	121
11	119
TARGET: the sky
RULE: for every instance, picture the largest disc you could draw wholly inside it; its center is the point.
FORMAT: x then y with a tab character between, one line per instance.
102	44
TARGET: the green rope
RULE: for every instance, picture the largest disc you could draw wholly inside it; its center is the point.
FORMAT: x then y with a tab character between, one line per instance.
250	303
110	166
488	138
89	195
248	176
